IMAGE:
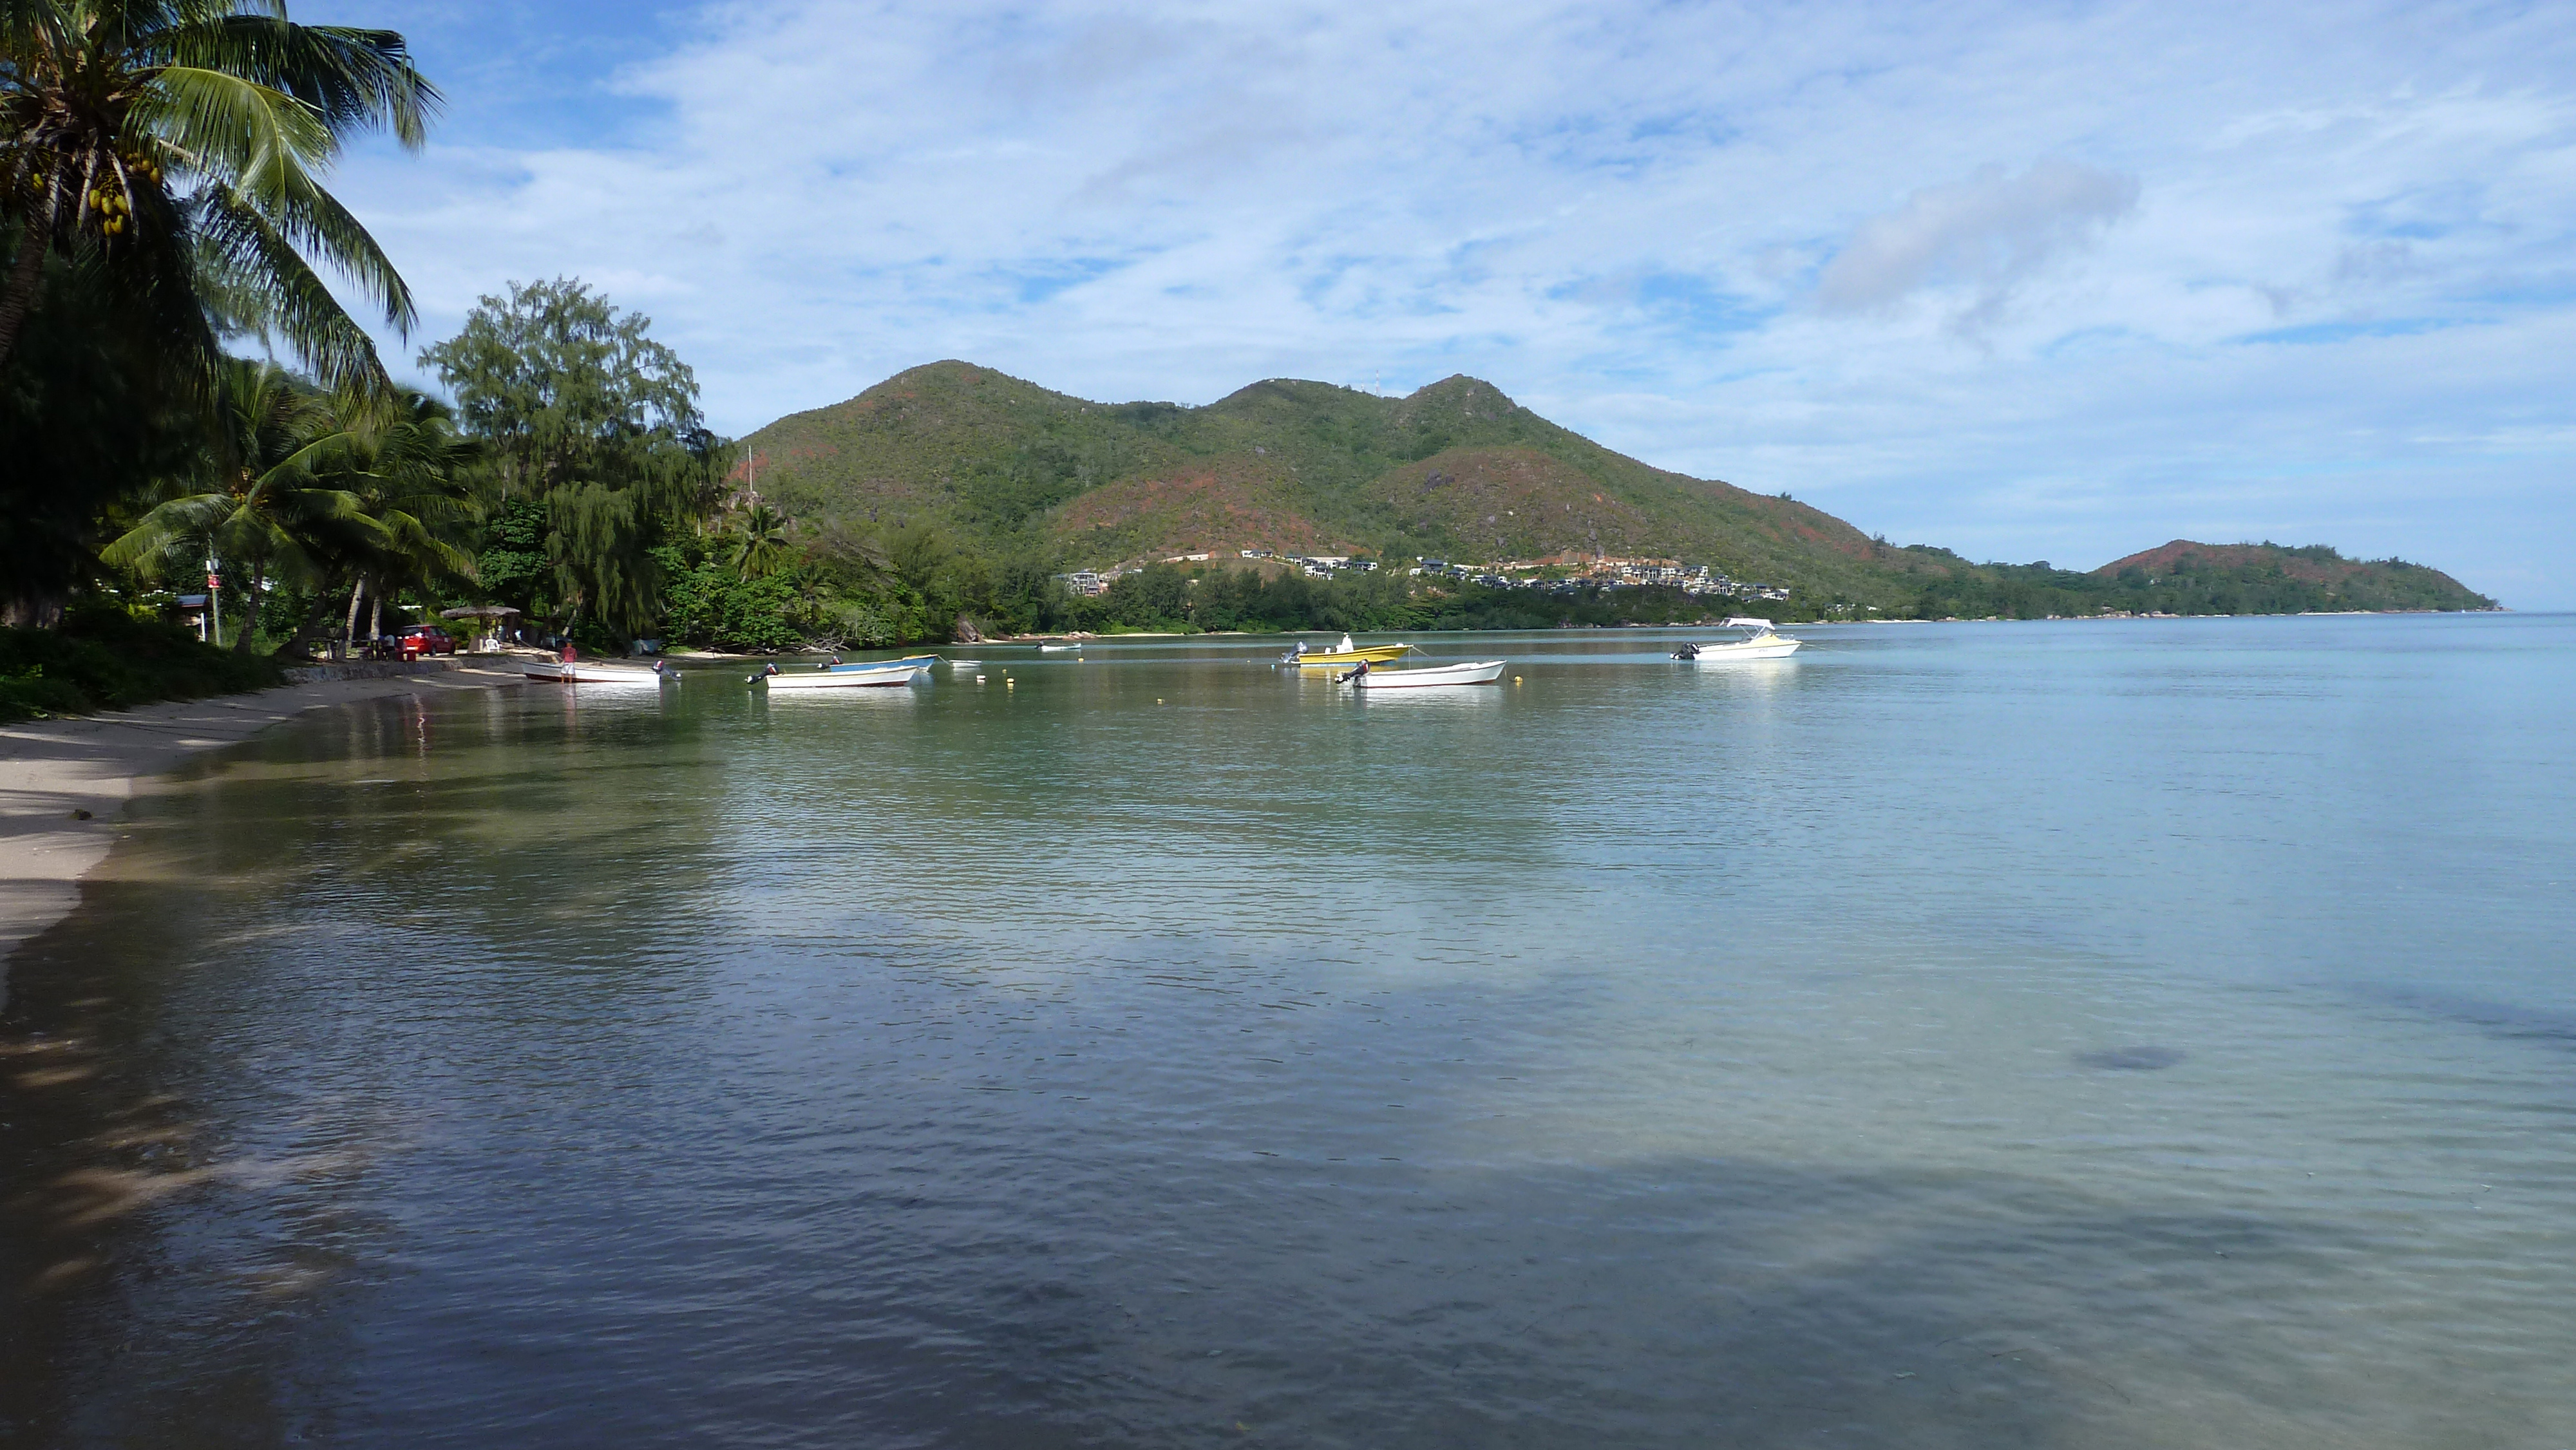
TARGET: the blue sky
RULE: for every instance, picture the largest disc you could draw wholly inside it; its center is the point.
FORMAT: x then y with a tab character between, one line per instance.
2032	281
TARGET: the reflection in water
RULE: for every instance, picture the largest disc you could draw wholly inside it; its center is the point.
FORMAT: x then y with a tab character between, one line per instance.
874	697
1959	1037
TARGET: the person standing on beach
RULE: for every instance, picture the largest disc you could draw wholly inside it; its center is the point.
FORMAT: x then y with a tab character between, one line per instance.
569	654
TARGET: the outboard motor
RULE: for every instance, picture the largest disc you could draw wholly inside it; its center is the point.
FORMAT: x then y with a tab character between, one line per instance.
1687	652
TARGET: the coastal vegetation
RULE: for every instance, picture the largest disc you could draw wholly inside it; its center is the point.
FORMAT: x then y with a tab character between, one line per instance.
161	166
99	657
196	427
2184	577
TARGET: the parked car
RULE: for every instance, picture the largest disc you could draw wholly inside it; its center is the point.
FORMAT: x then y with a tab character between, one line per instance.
414	641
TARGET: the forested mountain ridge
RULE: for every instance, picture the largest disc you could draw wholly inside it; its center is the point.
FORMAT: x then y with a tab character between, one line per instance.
1455	470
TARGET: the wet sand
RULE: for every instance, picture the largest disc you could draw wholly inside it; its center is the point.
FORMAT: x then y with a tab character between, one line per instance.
64	784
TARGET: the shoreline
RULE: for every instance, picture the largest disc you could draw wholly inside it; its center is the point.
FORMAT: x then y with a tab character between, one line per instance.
52	769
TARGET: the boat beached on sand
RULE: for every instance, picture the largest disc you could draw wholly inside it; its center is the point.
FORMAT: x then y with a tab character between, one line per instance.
586	672
1759	644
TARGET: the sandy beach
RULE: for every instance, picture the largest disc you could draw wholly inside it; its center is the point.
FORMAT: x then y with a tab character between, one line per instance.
54	771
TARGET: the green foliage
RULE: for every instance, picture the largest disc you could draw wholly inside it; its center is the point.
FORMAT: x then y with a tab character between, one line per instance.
102	658
757	544
175	149
260	497
579	410
27	694
512	565
410	471
89	417
1163	599
566	390
2236	579
857	624
713	606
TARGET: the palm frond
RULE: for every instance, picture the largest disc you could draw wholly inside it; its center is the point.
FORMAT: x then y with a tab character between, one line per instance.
354	79
230	128
193	516
260	267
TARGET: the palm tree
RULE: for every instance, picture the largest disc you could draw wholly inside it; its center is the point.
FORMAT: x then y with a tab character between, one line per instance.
174	147
407	469
261	501
759	539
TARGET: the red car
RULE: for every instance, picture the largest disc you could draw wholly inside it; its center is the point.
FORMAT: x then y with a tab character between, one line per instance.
414	641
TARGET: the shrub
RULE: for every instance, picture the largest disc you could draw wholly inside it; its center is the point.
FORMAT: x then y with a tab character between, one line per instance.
103	658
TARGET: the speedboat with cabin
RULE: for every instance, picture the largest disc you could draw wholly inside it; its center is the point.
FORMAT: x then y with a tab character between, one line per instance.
1760	642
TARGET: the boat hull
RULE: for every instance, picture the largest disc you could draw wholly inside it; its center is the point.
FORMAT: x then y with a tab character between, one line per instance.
909	661
1376	654
1482	672
582	674
846	679
1760	649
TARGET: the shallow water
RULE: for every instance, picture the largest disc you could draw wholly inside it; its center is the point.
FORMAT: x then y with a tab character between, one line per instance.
2084	1034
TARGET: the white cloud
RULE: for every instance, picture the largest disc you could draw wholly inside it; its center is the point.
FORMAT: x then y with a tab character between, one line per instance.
1985	235
2038	283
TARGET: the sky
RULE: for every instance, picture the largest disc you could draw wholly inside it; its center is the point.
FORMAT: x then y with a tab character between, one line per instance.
2031	281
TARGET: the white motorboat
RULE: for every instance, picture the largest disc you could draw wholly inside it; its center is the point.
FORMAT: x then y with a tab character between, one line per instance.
1481	672
1760	642
585	672
923	661
901	672
1059	647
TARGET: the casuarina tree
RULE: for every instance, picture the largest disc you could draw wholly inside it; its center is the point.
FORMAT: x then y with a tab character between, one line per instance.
580	411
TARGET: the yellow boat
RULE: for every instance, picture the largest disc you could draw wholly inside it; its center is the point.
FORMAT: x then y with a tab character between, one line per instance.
1343	656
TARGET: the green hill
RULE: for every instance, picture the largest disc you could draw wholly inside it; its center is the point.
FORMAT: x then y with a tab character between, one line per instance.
1456	470
2188	578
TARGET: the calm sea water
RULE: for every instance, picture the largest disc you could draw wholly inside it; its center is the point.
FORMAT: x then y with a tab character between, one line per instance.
2086	1034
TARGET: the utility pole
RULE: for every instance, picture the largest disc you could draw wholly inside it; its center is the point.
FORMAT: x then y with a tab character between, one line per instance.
214	601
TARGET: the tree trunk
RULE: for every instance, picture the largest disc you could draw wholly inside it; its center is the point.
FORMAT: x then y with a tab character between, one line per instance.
349	636
32	609
250	614
24	274
375	615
